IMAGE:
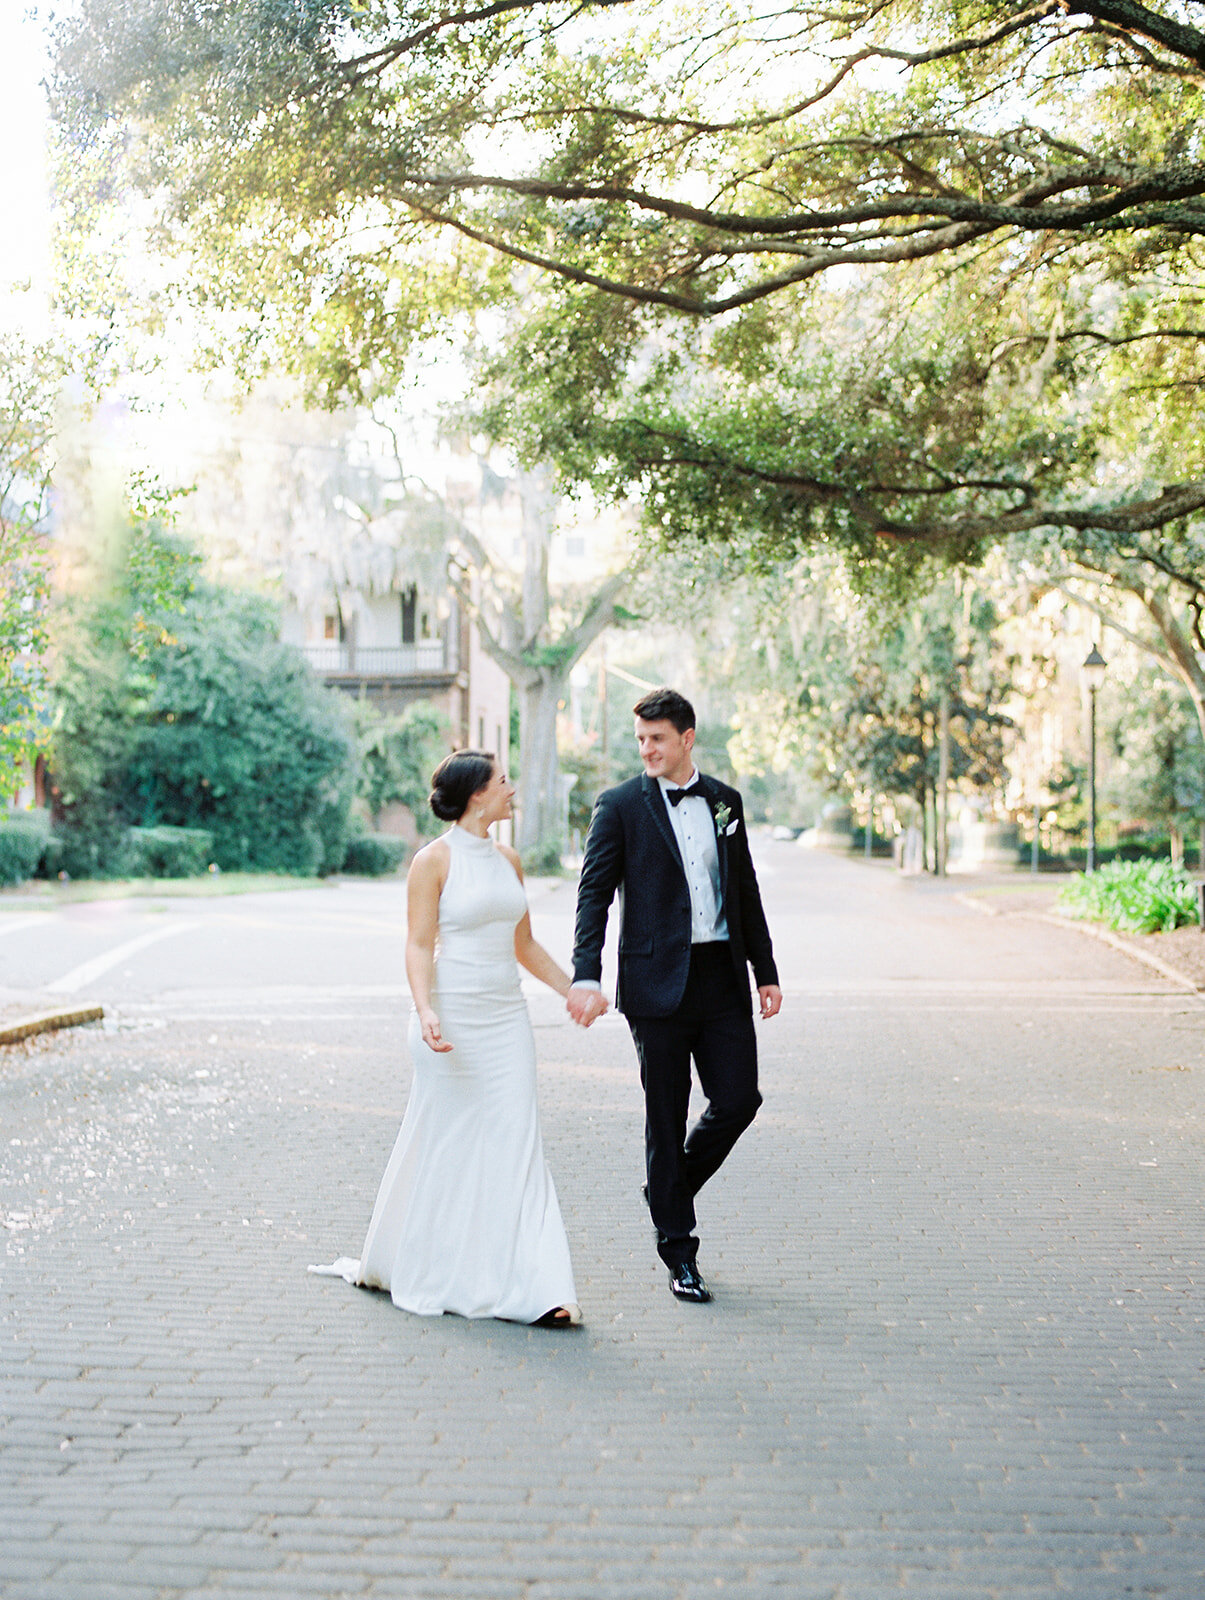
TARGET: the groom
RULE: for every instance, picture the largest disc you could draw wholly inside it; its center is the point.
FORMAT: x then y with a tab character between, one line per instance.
673	843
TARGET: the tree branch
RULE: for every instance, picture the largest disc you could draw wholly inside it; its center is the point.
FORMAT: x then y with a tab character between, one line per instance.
1099	611
360	68
1138	516
1176	180
1131	17
599	615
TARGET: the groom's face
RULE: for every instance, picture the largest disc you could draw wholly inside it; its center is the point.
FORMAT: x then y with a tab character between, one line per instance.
666	753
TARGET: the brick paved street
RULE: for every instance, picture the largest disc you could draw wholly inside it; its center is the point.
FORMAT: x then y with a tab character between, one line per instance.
956	1352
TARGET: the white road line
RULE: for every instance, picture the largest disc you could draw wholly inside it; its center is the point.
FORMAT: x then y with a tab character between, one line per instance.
18	922
87	971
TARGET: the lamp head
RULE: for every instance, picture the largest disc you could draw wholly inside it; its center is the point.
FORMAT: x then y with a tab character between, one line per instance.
1094	669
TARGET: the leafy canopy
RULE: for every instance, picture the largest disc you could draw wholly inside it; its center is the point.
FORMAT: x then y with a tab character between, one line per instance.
876	272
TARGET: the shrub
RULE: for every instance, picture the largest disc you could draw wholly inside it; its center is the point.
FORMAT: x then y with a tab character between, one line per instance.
543	860
22	845
242	740
197	717
374	855
1132	897
166	852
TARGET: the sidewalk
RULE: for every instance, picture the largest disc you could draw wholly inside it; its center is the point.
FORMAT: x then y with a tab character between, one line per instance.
955	1350
1180	953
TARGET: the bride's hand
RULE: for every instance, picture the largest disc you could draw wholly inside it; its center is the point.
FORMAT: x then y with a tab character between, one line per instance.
432	1037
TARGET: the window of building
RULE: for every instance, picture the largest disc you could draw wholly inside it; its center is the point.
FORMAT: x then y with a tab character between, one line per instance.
410	615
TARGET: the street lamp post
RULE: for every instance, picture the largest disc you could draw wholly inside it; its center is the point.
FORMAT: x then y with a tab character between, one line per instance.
1094	677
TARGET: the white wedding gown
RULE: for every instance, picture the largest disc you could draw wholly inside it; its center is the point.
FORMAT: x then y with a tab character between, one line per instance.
466	1219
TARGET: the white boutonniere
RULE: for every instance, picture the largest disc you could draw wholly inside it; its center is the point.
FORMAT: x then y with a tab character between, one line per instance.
722	813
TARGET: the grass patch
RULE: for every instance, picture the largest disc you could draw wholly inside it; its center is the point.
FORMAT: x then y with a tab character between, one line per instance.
1132	897
212	886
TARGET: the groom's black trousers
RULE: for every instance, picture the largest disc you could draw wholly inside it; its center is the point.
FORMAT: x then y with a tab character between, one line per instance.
713	1024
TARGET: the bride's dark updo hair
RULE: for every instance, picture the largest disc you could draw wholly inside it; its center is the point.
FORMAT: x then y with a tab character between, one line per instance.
456	780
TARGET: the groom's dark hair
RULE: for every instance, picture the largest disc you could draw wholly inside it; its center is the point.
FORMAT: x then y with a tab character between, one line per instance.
666	705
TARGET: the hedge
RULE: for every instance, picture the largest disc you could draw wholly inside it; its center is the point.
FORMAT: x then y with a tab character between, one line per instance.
374	854
22	845
165	852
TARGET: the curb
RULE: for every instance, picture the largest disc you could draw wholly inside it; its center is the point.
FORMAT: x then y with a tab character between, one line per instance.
49	1022
1104	935
973	903
1109	938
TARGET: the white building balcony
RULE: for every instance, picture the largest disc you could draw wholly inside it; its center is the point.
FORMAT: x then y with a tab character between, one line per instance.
428	658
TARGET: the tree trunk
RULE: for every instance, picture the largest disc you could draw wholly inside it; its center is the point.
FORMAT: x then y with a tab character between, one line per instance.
1176	842
538	665
540	806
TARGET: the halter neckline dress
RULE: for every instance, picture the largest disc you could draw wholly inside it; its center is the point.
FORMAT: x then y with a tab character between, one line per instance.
466	1219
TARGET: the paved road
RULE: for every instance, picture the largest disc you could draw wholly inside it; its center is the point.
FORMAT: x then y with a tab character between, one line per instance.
956	1349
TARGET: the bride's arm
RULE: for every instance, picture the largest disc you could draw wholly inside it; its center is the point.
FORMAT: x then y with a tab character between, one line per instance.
533	956
423	887
529	953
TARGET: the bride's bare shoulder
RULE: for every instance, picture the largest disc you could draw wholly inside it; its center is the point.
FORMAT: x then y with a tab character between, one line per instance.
431	861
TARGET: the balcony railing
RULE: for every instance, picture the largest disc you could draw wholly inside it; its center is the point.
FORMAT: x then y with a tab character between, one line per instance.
385	661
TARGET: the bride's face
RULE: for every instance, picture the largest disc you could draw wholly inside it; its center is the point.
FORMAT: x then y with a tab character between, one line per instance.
495	798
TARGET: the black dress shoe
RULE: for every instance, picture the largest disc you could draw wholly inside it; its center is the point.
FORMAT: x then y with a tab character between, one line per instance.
686	1284
644	1193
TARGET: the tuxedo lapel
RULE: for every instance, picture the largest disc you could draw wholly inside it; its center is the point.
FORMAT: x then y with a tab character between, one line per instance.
650	793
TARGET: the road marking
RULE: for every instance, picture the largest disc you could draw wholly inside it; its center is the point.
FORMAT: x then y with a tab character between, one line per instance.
17	923
87	971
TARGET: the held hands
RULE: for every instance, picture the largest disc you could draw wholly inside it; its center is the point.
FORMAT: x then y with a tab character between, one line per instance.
432	1037
770	999
585	1005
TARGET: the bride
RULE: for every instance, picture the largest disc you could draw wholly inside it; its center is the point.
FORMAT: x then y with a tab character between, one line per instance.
466	1219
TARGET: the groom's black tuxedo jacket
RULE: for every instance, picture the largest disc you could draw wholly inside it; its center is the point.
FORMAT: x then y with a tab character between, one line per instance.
632	848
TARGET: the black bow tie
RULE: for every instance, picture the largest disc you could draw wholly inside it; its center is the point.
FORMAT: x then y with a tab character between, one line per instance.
676	796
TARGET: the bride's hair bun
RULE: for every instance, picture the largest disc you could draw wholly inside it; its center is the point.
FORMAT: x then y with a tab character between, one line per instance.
456	780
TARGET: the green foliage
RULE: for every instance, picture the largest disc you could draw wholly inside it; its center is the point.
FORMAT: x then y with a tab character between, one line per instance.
543	860
176	704
397	757
374	855
1132	897
1157	758
165	852
1010	345
241	740
22	845
29	376
1010	338
845	690
584	761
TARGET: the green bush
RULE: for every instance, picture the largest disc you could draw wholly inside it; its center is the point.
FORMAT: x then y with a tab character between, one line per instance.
543	860
165	852
195	716
374	855
243	741
1132	897
22	846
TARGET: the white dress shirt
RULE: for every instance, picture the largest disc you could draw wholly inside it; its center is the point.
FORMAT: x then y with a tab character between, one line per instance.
694	829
